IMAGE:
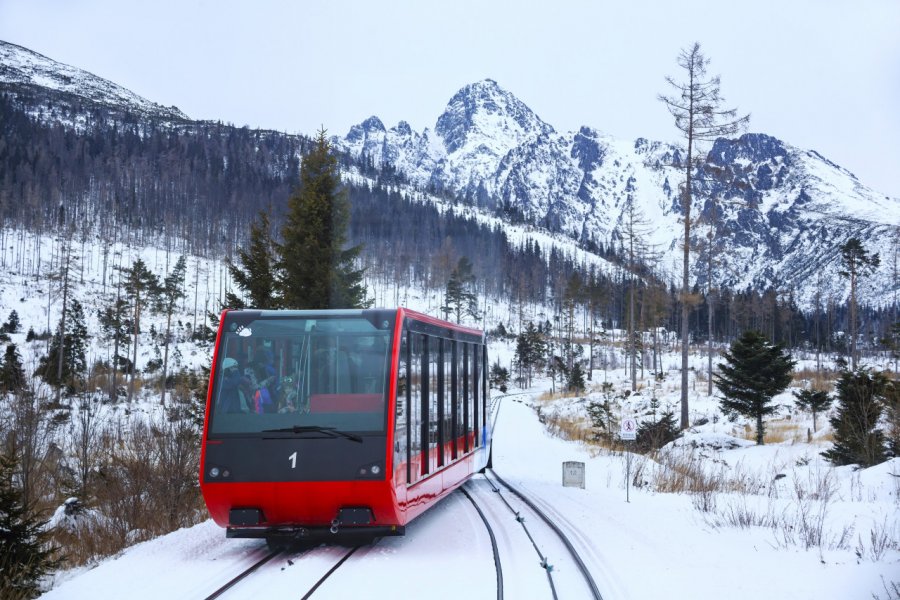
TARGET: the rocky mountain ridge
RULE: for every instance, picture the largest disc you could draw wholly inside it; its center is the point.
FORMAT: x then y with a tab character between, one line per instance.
776	213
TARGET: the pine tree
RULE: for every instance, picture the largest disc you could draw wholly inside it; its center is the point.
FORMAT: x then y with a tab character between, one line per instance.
142	289
857	440
12	375
72	342
499	377
115	327
753	373
815	401
891	400
459	296
575	378
256	274
530	350
315	271
657	433
603	414
857	261
12	323
171	292
25	554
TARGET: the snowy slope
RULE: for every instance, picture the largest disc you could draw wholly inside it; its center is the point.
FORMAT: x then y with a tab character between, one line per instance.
20	67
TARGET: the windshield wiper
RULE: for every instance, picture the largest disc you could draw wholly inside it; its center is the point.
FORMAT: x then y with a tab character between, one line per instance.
331	431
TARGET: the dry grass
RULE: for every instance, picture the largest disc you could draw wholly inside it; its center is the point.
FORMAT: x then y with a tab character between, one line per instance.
778	432
820	380
548	397
569	428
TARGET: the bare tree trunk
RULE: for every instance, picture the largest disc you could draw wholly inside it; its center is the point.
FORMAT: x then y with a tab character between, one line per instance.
166	356
134	350
115	359
62	329
685	305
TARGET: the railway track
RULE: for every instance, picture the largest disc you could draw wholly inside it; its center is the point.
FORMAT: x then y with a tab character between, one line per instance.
343	556
243	574
509	515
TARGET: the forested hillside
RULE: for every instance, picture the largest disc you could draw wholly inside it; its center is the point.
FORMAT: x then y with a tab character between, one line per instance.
195	187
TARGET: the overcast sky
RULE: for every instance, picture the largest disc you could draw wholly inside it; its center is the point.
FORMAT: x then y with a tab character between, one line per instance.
818	74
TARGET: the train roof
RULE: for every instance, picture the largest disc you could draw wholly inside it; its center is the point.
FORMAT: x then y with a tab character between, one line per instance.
361	312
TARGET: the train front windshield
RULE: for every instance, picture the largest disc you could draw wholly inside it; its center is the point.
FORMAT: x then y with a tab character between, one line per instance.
276	375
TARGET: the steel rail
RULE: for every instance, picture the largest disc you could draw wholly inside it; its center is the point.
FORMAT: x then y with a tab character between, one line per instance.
243	574
562	536
494	547
322	579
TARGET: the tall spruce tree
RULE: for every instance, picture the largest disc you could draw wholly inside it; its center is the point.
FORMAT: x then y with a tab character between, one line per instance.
697	107
70	341
142	288
115	327
753	373
459	296
857	261
171	292
12	375
25	554
531	348
256	274
857	438
315	270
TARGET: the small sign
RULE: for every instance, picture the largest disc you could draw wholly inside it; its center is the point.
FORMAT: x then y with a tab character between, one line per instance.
628	430
573	474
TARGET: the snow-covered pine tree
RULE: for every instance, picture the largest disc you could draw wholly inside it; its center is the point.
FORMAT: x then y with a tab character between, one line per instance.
315	270
857	438
255	273
753	373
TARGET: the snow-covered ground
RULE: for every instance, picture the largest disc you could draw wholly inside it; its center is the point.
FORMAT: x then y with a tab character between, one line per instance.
654	545
817	532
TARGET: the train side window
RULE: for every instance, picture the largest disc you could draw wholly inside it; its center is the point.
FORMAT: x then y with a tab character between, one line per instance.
433	397
454	400
415	407
401	413
476	356
441	402
485	388
465	397
426	385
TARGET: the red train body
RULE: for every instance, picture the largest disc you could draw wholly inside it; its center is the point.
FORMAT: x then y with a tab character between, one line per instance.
337	424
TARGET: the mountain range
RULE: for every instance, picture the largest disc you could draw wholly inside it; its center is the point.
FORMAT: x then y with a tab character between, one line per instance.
775	214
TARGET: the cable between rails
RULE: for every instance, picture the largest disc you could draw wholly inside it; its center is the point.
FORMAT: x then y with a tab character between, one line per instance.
521	520
565	540
494	547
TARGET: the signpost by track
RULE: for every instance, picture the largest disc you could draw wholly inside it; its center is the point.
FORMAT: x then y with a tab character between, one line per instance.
628	433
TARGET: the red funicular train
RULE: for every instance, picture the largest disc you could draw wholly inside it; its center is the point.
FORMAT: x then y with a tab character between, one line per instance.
340	423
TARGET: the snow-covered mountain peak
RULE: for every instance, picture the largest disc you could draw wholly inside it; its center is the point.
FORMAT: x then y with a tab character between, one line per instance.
483	113
22	67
